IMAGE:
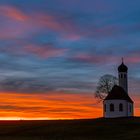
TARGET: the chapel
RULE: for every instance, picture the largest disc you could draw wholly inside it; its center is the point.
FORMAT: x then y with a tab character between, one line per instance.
118	103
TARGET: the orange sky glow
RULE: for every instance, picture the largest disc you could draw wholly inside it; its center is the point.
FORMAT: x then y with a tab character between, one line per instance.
56	105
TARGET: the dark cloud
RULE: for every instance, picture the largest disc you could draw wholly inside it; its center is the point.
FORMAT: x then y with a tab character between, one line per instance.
44	85
19	108
28	85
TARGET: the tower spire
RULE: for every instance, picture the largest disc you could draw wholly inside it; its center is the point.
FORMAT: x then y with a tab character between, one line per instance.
122	60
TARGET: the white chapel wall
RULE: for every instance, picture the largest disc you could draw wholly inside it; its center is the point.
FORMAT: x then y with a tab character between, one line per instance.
116	112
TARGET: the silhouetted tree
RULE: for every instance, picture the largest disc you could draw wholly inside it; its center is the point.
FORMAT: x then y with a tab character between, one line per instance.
104	86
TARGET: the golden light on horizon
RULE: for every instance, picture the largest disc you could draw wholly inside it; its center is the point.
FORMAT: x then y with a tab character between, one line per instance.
51	106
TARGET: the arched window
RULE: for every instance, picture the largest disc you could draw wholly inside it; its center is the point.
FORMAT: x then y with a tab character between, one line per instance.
124	75
111	107
105	107
121	75
120	107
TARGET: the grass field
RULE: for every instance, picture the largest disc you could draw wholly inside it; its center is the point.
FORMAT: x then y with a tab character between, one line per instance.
93	129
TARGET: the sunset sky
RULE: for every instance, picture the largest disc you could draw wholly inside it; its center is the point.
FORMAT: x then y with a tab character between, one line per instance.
53	52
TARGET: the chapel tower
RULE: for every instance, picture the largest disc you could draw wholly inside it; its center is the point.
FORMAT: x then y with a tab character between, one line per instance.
122	75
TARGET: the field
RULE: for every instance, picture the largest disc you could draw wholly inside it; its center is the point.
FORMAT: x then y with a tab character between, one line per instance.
93	129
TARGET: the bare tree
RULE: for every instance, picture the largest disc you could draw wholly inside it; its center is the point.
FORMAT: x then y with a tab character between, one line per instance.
104	86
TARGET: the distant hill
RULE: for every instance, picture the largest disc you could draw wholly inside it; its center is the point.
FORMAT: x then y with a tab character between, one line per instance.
92	129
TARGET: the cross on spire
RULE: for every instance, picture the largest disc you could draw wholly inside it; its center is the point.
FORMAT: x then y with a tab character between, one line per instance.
122	60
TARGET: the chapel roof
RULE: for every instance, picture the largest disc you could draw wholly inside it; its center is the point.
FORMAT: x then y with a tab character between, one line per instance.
118	93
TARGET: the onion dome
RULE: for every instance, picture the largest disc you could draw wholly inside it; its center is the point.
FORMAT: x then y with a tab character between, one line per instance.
122	67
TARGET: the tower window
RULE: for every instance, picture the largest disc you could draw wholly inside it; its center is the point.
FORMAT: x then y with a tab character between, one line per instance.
120	107
121	75
111	107
124	75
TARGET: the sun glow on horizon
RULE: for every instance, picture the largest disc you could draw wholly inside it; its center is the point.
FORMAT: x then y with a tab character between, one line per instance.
20	119
51	106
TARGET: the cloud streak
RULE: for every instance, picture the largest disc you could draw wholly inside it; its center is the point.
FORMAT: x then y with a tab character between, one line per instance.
23	23
13	13
44	51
